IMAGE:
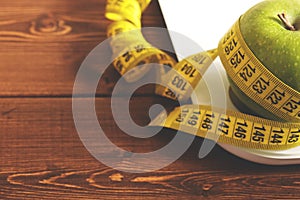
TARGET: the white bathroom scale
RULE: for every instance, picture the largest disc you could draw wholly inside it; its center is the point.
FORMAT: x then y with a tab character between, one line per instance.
205	22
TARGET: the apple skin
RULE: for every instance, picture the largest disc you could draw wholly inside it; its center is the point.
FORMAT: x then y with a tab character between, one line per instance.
273	44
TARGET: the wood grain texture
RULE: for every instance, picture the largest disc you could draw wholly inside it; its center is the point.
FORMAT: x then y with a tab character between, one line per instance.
35	62
42	156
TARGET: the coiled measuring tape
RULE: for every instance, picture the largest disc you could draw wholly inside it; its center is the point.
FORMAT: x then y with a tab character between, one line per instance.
255	80
241	65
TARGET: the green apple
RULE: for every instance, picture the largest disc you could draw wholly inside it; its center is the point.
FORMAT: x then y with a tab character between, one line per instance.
271	29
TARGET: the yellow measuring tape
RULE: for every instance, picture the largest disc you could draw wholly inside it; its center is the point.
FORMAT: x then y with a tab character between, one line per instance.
255	80
241	65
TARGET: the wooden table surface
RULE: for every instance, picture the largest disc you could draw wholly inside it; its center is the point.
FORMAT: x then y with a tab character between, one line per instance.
42	156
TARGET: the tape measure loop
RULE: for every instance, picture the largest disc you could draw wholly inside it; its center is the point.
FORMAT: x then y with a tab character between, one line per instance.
131	50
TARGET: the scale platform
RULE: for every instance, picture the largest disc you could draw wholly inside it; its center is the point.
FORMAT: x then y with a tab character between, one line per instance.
205	22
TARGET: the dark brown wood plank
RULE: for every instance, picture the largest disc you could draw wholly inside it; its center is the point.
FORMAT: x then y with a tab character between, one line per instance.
35	63
42	157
